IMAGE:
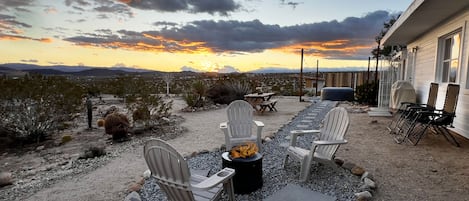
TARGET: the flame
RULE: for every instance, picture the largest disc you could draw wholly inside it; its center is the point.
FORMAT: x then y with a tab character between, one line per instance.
244	151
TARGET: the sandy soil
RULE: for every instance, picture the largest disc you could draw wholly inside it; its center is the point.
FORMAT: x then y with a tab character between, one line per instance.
433	170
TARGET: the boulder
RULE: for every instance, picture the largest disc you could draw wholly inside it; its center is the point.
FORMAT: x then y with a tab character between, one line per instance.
5	179
357	170
135	187
133	196
365	195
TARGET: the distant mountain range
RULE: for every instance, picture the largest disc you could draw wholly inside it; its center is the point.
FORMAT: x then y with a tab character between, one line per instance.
18	69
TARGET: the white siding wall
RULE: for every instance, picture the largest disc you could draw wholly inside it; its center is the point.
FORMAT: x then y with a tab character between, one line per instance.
426	68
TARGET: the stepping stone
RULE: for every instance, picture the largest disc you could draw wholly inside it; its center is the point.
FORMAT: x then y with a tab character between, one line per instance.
306	121
310	117
303	126
293	192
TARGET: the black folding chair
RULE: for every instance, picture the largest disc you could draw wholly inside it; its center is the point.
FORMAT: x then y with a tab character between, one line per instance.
439	120
408	109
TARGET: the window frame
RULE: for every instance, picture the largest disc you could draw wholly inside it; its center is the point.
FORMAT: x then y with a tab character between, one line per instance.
442	44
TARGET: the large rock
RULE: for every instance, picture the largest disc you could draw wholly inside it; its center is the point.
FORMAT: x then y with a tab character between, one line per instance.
133	196
357	170
363	196
5	179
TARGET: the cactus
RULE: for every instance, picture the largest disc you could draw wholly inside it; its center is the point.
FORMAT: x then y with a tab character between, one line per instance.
117	125
100	122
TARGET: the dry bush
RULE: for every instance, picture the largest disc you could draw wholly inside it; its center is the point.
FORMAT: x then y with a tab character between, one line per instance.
117	125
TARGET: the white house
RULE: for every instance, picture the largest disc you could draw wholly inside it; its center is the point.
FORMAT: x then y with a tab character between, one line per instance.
436	35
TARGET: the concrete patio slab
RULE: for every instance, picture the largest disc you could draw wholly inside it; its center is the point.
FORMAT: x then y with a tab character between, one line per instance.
293	192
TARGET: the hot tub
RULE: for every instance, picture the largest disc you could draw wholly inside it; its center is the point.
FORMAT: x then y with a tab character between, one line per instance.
337	94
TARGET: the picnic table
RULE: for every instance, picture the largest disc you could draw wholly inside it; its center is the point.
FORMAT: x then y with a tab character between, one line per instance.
261	101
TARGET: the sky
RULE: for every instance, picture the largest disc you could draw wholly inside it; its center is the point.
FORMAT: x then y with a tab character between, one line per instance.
198	35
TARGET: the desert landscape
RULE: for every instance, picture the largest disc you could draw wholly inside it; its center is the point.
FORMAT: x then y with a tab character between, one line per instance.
432	170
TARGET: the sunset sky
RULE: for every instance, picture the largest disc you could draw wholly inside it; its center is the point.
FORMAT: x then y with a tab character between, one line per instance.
198	35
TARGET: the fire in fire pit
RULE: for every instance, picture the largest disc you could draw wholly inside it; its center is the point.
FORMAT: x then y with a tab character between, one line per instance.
244	151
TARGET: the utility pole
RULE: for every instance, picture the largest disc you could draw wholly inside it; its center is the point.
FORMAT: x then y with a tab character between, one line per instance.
376	73
301	76
368	73
317	76
377	60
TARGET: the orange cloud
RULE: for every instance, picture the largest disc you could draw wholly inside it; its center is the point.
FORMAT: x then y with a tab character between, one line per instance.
326	49
45	40
151	43
11	37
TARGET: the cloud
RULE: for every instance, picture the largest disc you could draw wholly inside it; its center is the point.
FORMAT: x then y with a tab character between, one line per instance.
222	7
29	60
290	3
227	69
55	63
119	9
50	10
348	39
188	68
102	7
9	25
15	4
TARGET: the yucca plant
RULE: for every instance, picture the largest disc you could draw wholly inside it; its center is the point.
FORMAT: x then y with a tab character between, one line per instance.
228	91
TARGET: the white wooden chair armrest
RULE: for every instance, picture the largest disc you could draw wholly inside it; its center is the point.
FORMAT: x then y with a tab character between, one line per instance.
302	132
259	126
214	180
332	142
224	128
295	133
223	125
259	123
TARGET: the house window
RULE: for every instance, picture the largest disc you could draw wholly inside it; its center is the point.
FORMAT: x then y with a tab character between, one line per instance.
449	57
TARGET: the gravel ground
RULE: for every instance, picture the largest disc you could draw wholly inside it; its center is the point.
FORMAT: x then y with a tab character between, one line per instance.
32	180
327	179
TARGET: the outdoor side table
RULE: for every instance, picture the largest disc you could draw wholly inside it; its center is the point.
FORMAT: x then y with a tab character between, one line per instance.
248	172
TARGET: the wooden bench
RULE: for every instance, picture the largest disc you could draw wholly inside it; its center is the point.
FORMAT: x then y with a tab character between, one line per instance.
268	104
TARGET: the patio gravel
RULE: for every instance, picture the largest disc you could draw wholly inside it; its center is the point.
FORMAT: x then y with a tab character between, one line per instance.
330	180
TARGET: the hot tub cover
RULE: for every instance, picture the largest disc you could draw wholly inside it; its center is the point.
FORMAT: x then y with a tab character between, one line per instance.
402	91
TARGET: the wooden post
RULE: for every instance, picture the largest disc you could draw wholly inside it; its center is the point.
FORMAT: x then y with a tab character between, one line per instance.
368	73
376	73
317	77
301	76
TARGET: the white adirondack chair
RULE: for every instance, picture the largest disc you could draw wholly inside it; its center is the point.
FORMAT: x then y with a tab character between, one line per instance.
174	177
238	129
331	135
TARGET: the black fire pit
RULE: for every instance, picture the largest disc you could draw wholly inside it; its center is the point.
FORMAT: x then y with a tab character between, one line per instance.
248	175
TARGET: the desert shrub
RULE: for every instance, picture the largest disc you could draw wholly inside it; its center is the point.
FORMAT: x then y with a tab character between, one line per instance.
117	125
144	105
367	93
32	107
191	99
93	150
228	91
